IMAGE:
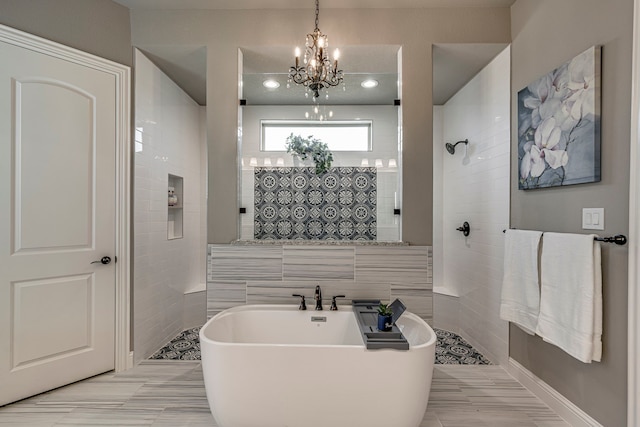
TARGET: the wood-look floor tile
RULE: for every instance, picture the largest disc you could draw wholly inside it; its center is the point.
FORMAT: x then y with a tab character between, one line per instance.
174	394
430	420
34	418
186	416
107	417
91	394
158	370
552	424
171	393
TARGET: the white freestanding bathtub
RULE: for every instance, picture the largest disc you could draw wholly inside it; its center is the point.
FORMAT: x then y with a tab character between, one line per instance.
277	366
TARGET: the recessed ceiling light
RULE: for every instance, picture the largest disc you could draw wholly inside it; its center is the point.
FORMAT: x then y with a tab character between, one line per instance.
271	84
368	84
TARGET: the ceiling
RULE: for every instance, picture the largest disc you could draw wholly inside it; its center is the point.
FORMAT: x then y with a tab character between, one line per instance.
453	64
308	4
359	62
186	65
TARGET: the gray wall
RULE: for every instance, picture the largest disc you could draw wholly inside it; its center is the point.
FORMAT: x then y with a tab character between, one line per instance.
100	27
223	32
546	33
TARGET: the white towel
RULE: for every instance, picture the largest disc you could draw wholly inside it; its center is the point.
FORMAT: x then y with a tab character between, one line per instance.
571	295
520	299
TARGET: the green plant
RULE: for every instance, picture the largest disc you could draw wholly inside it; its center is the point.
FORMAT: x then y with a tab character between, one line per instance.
385	310
310	147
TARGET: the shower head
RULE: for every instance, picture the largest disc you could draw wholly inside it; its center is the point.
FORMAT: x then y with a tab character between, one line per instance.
451	148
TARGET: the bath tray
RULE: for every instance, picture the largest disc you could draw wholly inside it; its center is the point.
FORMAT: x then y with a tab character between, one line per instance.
366	312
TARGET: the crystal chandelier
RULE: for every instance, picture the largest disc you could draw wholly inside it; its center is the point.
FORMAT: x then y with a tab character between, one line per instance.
316	72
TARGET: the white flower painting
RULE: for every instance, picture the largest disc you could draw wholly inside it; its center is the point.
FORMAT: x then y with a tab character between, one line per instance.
559	125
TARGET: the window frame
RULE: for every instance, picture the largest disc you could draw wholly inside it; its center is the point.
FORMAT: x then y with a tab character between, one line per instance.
316	123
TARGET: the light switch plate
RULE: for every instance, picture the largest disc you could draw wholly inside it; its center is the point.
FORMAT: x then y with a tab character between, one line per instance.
593	218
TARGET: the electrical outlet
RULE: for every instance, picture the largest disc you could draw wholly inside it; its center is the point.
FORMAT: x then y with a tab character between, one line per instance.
593	218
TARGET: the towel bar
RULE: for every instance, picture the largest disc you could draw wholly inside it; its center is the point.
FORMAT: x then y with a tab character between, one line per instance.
618	239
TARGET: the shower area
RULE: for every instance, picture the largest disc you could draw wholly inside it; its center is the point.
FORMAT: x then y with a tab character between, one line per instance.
471	146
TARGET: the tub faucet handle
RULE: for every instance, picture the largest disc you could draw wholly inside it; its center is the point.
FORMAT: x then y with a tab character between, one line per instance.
303	305
334	306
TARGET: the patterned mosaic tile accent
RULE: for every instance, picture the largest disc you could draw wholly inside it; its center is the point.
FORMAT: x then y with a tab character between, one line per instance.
296	204
185	346
451	349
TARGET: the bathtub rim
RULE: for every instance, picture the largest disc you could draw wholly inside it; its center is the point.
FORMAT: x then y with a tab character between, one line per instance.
292	307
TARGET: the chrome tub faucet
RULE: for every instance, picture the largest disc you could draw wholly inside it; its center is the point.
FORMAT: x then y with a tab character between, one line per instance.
318	298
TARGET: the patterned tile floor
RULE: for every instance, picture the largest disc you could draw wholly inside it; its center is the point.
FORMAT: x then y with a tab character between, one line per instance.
185	346
163	393
451	349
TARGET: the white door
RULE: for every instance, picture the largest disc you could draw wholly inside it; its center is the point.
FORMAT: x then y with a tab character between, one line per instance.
57	216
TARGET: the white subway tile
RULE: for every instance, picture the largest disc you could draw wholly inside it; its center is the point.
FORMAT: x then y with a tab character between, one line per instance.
478	192
171	143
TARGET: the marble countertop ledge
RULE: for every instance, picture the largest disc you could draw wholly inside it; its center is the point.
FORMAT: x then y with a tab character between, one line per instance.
317	243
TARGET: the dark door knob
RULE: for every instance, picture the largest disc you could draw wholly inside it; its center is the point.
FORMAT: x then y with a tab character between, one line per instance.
465	229
104	260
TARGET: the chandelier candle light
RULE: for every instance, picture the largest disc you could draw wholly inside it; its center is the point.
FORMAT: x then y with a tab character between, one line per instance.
317	71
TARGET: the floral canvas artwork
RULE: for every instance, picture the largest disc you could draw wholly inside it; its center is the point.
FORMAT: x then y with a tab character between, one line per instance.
559	125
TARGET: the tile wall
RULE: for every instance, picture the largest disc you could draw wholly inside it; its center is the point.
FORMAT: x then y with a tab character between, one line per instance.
269	274
169	139
475	188
383	156
298	204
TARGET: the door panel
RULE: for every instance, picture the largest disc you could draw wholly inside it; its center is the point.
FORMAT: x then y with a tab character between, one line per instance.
57	182
42	155
60	304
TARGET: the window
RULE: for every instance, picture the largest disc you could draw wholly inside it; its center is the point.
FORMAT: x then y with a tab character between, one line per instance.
338	135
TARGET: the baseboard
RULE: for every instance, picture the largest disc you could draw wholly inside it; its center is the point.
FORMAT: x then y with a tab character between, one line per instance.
560	404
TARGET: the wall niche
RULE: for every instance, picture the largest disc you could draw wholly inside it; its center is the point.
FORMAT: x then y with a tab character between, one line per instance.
175	202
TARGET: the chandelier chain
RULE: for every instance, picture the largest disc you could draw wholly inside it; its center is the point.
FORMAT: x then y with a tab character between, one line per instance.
317	15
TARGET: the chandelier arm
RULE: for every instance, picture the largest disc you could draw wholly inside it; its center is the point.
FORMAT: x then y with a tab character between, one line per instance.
301	80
